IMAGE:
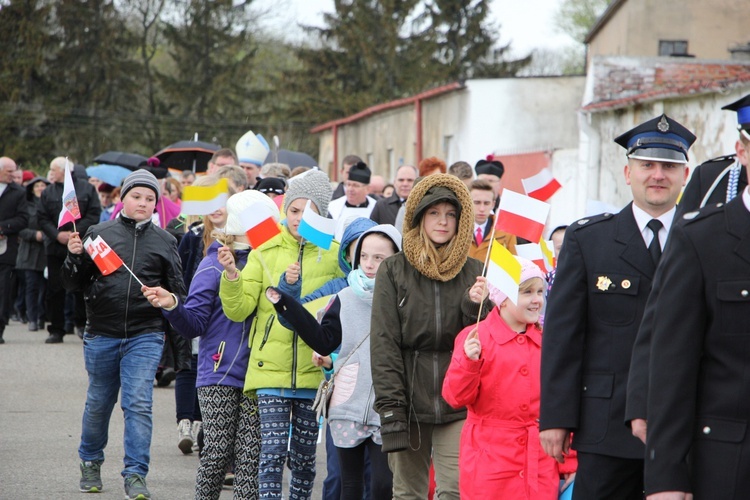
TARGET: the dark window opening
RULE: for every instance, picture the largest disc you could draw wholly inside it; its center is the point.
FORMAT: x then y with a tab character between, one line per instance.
673	48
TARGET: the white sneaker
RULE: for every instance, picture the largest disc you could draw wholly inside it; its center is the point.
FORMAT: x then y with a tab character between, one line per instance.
196	430
185	438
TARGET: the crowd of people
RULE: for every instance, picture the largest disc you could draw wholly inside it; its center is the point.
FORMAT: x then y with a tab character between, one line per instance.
628	383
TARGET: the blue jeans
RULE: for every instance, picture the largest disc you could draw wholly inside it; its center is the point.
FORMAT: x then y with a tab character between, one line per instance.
120	364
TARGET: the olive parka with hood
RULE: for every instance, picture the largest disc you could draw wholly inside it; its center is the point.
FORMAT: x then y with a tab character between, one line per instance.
418	309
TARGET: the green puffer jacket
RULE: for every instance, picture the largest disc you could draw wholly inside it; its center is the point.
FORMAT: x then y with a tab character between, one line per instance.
279	358
415	321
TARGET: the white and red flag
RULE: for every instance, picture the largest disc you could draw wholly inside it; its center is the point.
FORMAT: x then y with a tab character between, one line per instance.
70	211
542	185
542	254
260	224
103	256
521	215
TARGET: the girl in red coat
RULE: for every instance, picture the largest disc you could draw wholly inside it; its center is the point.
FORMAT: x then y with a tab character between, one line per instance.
494	372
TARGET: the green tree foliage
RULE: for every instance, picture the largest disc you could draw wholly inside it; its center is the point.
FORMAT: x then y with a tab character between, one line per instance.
80	77
577	17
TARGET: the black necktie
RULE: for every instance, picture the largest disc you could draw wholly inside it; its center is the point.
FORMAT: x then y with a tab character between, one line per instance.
655	247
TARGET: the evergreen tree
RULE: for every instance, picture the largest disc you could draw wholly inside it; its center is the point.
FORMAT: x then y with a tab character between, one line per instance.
25	38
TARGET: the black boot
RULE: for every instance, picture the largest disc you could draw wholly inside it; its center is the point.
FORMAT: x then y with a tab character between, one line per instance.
54	338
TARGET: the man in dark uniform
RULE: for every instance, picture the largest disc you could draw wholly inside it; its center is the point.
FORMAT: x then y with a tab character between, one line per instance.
721	179
602	283
699	388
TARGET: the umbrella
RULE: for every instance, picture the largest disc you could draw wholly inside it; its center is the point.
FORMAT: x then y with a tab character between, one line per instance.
292	158
127	160
111	174
187	155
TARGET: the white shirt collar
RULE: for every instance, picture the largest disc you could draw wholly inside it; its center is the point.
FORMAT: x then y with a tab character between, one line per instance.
642	219
746	197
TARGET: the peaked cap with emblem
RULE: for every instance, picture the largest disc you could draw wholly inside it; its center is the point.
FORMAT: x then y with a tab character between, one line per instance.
659	139
742	108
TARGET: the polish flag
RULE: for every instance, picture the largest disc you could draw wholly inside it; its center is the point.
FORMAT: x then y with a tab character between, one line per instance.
521	215
542	185
504	271
542	254
103	256
316	229
70	211
260	224
533	252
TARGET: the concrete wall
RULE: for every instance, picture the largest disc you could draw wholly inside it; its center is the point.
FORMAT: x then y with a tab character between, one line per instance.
710	27
515	115
503	116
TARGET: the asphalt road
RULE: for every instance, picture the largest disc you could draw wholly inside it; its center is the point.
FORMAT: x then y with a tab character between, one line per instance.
42	394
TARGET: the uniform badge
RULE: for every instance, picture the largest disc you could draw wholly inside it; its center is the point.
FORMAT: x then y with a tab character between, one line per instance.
690	215
603	283
582	222
663	125
625	284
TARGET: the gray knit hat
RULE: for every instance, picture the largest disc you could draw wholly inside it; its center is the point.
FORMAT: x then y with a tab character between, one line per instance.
313	185
142	178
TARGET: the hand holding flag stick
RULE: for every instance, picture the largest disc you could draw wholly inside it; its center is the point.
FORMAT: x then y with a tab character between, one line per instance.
484	272
101	253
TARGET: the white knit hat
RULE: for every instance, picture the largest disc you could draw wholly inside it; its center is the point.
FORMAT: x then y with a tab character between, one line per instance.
238	203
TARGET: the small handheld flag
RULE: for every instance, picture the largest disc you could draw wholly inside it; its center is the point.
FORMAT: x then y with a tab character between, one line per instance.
504	272
103	256
203	200
259	223
316	229
70	211
541	186
522	215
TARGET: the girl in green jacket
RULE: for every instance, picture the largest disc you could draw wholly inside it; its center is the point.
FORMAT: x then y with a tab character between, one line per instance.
280	370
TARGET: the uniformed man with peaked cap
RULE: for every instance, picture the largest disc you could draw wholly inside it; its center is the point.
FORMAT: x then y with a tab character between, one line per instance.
604	276
722	178
699	372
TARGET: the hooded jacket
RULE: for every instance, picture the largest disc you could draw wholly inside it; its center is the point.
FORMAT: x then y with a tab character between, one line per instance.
346	322
418	319
279	358
201	315
115	305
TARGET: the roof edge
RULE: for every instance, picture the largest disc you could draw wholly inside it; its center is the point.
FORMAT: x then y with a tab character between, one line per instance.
398	103
603	19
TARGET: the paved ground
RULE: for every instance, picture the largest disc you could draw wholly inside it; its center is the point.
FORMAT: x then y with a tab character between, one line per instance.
42	394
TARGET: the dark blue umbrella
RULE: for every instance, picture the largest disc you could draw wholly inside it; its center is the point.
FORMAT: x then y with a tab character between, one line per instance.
127	160
291	158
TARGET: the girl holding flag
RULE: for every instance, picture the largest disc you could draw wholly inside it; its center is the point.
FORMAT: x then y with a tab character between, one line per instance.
495	373
124	335
280	370
423	297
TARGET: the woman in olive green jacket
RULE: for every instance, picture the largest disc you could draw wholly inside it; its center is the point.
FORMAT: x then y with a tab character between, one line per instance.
423	297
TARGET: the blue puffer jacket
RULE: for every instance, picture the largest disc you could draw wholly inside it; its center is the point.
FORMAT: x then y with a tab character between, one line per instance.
201	315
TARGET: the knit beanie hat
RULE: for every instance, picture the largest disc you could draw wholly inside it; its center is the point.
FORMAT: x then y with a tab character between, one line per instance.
274	185
313	185
238	203
360	172
528	270
142	178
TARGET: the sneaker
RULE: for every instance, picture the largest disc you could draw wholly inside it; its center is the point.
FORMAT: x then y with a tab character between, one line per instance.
135	488
91	477
166	378
196	430
185	438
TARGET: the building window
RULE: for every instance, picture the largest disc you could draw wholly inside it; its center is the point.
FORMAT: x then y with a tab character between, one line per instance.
391	164
371	161
673	47
448	149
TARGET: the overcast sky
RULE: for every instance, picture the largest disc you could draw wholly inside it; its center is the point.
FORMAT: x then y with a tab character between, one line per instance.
527	24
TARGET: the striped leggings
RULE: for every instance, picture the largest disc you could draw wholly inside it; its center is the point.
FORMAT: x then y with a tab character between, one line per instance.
275	415
231	428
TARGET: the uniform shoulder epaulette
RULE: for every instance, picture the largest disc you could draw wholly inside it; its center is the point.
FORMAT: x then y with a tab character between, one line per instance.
589	221
707	211
720	159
